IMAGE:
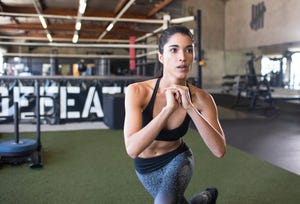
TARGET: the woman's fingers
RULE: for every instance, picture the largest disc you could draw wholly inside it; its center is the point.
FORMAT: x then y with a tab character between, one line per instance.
176	94
181	93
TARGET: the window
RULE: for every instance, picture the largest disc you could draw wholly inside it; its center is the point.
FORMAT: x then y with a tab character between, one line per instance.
274	68
1	64
294	82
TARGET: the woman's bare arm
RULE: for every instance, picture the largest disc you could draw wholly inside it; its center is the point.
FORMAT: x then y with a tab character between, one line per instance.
137	139
203	112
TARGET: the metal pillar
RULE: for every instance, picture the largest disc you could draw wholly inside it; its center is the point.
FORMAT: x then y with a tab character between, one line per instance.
16	122
199	48
37	114
53	63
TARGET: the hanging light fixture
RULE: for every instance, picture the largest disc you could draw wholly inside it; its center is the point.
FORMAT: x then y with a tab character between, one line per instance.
81	10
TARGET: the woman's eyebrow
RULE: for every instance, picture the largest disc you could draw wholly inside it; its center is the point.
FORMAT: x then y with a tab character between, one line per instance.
175	45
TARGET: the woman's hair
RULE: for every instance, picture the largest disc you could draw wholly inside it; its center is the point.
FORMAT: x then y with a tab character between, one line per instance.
166	34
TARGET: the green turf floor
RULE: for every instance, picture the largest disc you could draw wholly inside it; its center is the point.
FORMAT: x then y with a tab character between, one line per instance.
92	167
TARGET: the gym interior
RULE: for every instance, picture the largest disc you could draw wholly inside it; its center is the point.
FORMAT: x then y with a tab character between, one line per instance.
64	69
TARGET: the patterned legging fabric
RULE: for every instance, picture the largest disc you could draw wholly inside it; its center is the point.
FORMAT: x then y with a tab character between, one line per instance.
168	184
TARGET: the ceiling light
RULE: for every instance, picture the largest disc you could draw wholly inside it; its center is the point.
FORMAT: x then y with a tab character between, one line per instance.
75	38
82	7
78	25
43	21
49	37
109	27
82	1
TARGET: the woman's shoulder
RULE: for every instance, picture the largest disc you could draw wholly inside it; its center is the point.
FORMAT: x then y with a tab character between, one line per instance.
143	87
199	93
140	92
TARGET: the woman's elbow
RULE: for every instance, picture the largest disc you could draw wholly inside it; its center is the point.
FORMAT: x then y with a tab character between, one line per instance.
221	150
221	153
131	153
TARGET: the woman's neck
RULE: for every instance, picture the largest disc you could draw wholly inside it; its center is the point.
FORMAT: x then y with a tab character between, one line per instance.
168	81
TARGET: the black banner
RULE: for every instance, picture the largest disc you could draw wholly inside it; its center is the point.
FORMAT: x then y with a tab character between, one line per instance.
62	100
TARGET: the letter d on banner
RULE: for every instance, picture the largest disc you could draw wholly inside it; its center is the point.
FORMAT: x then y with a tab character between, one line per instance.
132	54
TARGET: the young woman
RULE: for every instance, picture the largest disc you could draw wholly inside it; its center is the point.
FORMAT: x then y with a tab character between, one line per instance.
158	112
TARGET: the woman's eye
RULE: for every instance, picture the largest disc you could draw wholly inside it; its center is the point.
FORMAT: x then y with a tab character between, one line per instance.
190	51
173	50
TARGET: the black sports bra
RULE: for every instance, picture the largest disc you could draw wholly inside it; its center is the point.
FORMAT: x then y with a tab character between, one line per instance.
164	135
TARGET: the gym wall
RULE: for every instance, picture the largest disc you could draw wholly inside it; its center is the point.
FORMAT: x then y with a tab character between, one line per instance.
281	24
212	25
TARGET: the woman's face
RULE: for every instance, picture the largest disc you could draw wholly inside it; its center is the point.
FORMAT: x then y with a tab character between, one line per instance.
177	56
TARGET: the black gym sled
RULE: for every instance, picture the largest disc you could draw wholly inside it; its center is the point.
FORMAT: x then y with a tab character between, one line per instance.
18	150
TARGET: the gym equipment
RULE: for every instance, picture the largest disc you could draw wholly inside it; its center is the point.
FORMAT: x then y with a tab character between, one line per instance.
114	110
254	86
24	150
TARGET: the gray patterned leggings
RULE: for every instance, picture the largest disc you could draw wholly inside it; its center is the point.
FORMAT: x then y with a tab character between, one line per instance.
167	185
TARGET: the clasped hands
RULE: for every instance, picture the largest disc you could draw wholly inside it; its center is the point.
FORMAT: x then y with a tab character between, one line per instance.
178	96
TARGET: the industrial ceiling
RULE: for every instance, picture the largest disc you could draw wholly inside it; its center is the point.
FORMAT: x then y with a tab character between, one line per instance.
81	21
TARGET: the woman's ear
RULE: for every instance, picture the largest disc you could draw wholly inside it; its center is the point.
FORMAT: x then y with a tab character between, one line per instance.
160	57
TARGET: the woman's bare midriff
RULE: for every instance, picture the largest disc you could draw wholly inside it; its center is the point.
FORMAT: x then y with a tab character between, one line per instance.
158	148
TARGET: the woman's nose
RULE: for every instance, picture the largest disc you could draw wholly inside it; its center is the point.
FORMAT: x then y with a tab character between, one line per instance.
181	56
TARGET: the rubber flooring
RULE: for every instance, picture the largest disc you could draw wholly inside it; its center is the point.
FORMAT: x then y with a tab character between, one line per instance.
274	138
271	135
